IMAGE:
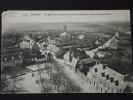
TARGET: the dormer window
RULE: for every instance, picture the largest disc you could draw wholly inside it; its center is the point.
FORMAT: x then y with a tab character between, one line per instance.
107	77
95	69
103	74
111	80
104	66
116	82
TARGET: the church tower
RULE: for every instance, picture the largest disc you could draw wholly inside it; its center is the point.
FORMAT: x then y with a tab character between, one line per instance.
65	28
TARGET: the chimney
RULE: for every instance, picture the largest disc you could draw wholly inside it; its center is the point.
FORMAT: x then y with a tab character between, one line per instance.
107	77
95	69
103	74
111	79
116	82
104	66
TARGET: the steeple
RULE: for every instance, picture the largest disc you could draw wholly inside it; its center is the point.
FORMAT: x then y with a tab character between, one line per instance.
65	28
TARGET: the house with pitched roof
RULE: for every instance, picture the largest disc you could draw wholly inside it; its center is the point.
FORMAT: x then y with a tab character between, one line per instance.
84	65
78	60
106	80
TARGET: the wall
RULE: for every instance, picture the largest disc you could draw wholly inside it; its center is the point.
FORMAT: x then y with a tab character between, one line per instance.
101	84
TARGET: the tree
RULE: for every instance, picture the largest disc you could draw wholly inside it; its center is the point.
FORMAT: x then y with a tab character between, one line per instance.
4	84
71	87
14	71
57	77
62	82
57	81
47	87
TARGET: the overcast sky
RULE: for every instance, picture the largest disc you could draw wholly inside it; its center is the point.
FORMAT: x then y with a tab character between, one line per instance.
65	16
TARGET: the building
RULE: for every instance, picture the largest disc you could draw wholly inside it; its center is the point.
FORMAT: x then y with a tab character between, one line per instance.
51	41
65	36
84	65
75	53
56	40
49	57
14	59
72	57
30	58
52	48
27	43
106	80
71	62
113	44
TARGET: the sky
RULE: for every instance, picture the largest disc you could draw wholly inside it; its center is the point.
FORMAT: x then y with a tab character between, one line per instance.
64	16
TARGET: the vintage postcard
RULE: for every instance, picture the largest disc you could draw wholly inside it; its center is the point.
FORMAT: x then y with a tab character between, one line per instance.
75	51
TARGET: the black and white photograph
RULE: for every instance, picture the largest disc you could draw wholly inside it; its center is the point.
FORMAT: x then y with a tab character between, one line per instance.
66	51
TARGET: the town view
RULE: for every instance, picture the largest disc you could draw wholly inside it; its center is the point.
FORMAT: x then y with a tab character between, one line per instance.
71	57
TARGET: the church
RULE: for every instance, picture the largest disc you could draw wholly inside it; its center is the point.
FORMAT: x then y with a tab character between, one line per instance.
65	36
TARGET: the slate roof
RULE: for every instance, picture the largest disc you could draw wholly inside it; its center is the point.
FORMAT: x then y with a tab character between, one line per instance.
128	90
112	74
81	53
88	60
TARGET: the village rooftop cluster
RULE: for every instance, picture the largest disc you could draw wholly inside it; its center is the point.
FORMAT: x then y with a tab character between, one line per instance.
102	61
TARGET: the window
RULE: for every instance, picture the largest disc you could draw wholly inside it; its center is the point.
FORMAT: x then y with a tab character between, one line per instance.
105	84
97	87
112	90
94	83
94	76
88	79
100	81
101	89
120	90
108	87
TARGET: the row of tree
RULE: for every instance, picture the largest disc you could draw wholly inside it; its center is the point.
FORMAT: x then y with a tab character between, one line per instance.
59	79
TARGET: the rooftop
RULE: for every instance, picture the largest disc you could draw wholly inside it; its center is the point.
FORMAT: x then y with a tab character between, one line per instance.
113	75
88	60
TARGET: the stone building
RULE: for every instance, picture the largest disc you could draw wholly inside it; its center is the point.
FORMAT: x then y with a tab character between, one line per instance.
106	80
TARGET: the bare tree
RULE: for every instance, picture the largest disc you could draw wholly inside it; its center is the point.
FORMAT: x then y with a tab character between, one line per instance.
71	87
14	72
4	85
47	88
57	81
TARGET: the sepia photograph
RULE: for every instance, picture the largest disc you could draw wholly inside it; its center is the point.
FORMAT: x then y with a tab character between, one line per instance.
66	51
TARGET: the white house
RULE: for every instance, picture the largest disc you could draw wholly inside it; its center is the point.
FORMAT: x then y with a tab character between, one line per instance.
106	80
